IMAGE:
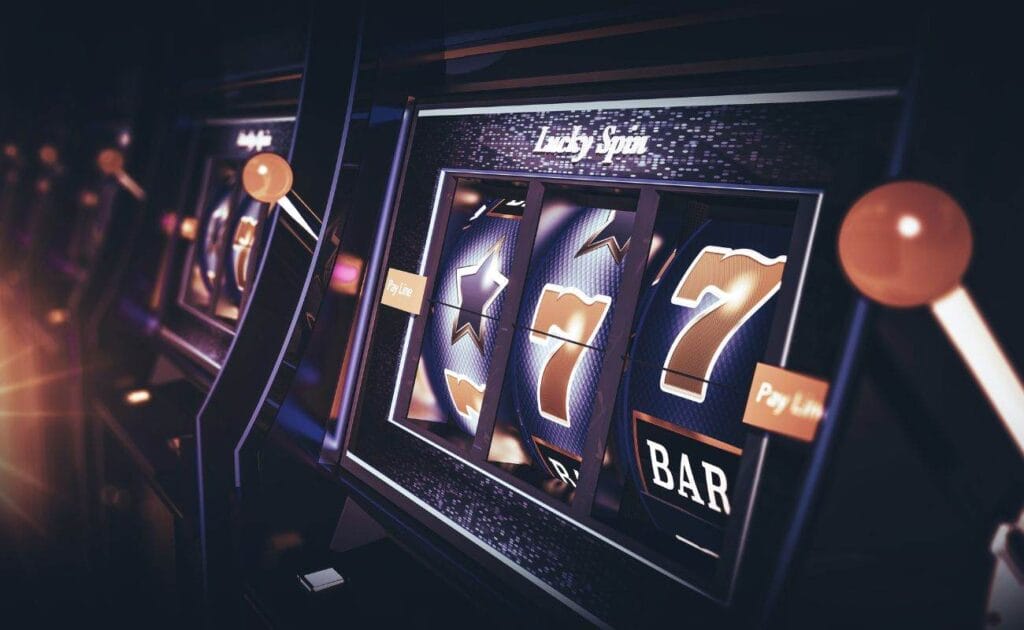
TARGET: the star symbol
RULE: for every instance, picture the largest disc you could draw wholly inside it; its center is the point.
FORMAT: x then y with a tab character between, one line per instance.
613	234
478	286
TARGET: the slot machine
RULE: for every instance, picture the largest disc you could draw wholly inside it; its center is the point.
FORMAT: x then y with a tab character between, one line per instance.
107	197
77	239
587	351
181	309
160	338
563	339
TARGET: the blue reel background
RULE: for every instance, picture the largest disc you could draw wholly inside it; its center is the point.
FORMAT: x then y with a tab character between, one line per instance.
594	272
657	323
468	248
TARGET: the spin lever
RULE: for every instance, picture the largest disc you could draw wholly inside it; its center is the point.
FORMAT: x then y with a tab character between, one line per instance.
268	177
908	244
111	162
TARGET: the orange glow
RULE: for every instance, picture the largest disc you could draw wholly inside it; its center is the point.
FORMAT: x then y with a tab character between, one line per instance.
110	161
24	352
11	150
137	397
189	228
467	197
24	477
26	480
33	414
88	199
48	154
39	380
56	317
174	444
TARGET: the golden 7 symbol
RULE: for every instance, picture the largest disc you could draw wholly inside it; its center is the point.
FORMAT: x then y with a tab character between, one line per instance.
245	237
742	281
573	318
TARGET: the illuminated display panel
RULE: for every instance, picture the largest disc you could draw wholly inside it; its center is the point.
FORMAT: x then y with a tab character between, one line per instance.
221	236
600	283
229	222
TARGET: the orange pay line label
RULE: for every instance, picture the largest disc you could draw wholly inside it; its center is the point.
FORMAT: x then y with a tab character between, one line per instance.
404	291
785	402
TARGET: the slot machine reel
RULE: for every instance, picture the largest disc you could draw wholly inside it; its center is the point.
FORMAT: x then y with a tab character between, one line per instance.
907	244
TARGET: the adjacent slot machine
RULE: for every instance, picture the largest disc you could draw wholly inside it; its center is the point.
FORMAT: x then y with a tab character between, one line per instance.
192	268
79	232
106	195
181	276
219	240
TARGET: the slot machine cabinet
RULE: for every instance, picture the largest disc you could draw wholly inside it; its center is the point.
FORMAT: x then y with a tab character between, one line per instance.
906	462
160	341
324	163
161	336
495	190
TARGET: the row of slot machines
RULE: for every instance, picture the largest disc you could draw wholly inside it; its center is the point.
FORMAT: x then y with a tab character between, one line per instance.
429	315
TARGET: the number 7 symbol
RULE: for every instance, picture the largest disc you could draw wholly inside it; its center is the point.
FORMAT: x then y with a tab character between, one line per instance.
743	281
575	318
